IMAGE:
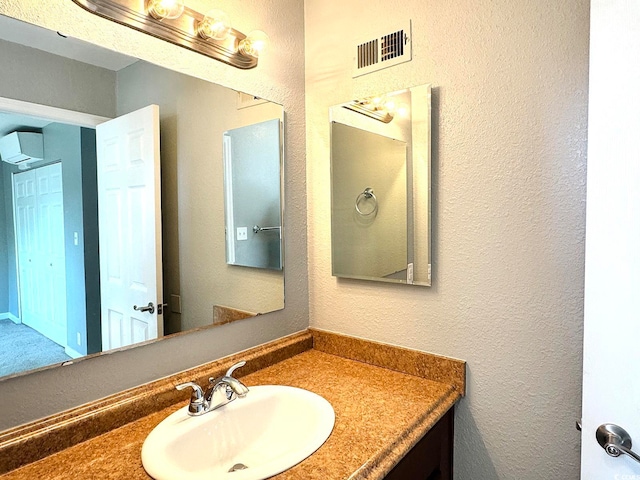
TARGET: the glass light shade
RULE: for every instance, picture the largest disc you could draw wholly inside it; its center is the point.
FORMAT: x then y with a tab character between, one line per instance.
214	25
254	44
165	9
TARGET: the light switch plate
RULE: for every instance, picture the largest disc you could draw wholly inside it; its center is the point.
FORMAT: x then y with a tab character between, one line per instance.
241	233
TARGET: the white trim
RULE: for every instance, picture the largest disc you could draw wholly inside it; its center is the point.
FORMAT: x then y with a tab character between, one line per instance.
228	199
10	105
10	316
72	353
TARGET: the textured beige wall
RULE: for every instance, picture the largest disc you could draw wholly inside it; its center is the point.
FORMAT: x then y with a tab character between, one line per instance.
509	161
23	69
280	78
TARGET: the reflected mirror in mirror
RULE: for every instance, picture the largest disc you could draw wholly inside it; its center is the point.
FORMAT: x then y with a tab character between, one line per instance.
380	187
252	195
74	219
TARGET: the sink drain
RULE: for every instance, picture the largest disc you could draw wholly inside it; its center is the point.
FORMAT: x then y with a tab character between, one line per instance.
238	466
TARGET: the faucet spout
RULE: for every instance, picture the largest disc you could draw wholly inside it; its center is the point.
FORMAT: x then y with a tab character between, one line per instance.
239	388
220	392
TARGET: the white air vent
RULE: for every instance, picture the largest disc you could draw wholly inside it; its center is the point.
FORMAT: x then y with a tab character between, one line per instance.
383	51
21	147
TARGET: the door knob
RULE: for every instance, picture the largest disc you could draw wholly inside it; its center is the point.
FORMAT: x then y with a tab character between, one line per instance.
148	308
615	440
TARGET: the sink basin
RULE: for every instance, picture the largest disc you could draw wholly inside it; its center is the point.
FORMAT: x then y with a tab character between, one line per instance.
268	431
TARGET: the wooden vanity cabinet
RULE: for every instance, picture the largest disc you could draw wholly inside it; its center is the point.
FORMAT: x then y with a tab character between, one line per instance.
432	457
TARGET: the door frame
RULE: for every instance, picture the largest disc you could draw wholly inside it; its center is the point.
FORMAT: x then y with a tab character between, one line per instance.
54	114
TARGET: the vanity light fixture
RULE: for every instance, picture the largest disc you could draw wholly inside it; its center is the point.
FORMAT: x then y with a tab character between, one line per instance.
209	34
379	108
374	107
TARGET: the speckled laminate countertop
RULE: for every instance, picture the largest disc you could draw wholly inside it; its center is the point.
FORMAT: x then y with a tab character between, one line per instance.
380	415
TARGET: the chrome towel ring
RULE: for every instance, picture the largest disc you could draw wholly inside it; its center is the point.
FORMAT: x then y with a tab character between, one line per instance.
366	195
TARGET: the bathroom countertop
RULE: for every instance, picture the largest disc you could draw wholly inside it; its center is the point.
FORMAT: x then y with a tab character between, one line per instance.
380	415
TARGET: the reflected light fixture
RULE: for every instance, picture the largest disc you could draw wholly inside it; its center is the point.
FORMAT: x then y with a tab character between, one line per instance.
171	20
381	108
373	107
402	110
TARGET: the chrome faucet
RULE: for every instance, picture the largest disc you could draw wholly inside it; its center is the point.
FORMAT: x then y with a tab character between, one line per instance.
220	391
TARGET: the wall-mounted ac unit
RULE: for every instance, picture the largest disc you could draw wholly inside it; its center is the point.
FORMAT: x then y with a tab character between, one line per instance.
22	147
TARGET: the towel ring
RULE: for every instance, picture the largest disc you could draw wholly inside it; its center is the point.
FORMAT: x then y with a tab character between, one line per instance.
367	194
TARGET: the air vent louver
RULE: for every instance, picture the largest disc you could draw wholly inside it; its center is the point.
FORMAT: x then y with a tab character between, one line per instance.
368	54
392	45
383	51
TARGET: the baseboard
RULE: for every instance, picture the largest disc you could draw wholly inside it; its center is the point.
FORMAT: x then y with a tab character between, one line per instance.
72	353
10	316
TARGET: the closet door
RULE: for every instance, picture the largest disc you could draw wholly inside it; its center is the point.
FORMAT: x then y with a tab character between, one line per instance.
41	256
24	209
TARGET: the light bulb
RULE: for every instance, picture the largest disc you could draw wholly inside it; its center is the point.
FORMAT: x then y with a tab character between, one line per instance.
254	44
403	110
389	106
377	101
165	9
214	25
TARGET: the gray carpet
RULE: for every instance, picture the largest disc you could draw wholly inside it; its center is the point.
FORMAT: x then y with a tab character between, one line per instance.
22	348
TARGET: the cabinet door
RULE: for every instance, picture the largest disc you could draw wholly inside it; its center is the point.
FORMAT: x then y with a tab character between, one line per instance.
432	457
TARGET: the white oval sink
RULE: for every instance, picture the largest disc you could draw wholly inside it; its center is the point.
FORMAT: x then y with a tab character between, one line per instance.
268	431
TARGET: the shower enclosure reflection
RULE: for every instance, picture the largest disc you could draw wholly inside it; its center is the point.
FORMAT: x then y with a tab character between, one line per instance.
380	187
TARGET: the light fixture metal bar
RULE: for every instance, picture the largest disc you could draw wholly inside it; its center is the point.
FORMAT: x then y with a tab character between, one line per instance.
181	31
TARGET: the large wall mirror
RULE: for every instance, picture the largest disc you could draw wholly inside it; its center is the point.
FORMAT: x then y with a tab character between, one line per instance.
380	187
62	244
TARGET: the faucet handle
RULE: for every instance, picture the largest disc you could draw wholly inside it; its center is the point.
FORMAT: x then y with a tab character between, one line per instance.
197	390
229	384
197	404
229	373
234	368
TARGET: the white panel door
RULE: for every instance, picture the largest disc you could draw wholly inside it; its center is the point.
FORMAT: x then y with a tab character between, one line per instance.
611	385
24	207
129	227
39	221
